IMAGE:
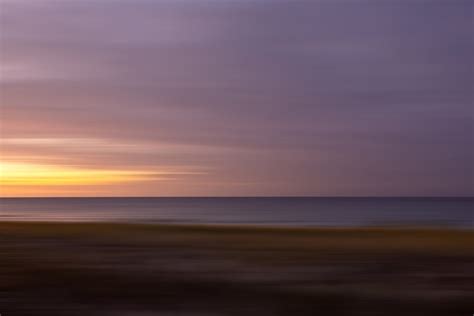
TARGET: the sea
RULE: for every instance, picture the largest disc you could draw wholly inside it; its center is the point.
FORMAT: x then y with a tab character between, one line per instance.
286	211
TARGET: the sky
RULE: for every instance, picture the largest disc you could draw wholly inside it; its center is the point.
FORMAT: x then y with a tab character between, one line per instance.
236	98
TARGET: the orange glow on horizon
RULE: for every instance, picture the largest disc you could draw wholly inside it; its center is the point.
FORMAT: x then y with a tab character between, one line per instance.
13	174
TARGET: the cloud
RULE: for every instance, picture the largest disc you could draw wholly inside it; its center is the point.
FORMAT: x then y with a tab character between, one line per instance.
352	96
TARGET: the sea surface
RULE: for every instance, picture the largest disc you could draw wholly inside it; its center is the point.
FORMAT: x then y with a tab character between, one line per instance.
299	211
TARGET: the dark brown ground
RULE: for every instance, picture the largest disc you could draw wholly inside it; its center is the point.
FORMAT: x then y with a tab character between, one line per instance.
120	269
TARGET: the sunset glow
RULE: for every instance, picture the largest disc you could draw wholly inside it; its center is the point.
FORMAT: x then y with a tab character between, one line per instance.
235	98
24	174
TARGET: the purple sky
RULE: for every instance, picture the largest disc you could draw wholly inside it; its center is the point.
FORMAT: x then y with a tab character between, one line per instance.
322	97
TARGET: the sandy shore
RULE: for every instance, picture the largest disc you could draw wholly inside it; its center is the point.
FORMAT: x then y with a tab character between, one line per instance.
124	269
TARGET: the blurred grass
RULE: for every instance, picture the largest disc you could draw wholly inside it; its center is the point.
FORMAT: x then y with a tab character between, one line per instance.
420	240
129	269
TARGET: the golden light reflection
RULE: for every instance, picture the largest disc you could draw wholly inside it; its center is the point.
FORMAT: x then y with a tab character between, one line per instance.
29	174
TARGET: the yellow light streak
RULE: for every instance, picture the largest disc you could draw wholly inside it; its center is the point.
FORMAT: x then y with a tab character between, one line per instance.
29	174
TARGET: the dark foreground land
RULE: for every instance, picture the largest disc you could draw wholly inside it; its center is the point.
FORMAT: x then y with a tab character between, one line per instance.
124	269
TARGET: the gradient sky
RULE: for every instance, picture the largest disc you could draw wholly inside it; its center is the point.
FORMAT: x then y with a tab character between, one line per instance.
263	97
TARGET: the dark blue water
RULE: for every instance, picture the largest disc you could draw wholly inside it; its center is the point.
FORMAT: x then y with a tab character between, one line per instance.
302	211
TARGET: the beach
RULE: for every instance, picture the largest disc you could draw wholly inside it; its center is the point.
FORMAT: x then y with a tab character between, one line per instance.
157	269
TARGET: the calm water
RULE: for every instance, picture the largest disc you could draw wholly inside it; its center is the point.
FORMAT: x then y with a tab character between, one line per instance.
457	212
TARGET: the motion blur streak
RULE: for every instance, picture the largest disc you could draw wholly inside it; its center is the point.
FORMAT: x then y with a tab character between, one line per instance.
25	174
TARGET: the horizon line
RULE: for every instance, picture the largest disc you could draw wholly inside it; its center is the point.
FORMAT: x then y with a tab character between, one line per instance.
239	196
